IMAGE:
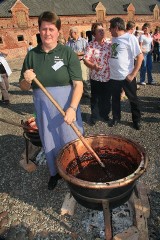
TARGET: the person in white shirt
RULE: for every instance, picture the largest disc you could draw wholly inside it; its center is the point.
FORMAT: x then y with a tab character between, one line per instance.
146	44
124	49
130	28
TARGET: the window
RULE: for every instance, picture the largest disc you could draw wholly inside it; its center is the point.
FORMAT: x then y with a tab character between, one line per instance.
156	14
1	41
100	15
131	15
20	38
21	19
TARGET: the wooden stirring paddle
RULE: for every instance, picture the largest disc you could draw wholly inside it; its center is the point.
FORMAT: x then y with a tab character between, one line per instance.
18	125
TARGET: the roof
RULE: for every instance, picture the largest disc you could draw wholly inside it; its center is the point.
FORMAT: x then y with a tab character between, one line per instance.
79	7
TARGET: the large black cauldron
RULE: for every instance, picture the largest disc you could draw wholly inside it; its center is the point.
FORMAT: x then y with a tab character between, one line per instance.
91	194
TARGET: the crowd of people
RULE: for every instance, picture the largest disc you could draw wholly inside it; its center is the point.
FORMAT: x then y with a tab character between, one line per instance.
64	67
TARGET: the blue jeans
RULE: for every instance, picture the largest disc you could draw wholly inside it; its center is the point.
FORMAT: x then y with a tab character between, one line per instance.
146	67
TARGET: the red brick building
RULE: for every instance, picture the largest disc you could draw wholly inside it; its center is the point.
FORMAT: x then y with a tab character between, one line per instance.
18	18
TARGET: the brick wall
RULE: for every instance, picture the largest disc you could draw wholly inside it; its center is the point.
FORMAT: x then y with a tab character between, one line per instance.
23	26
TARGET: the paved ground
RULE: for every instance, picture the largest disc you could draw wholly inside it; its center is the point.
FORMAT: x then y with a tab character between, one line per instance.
33	211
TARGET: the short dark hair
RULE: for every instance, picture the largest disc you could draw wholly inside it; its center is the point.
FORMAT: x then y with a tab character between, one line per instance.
117	22
145	25
49	17
130	25
94	27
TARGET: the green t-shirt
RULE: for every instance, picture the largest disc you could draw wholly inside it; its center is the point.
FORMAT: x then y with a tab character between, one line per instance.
58	67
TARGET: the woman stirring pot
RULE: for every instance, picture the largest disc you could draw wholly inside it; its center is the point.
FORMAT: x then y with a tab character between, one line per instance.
58	69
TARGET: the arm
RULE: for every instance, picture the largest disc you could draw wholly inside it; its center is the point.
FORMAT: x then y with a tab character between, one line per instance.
25	84
140	44
76	97
91	65
136	68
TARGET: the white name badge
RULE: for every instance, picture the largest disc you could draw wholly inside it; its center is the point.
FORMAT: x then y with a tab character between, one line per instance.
57	65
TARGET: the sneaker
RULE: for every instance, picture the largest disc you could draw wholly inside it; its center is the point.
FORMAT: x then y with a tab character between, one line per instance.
142	83
152	83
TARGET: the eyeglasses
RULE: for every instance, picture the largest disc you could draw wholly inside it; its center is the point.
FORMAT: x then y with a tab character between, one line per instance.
100	30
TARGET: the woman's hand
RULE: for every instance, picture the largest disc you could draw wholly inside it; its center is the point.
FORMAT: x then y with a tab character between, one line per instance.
70	116
97	67
29	75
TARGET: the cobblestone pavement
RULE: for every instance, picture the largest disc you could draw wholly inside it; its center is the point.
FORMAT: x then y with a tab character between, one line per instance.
29	210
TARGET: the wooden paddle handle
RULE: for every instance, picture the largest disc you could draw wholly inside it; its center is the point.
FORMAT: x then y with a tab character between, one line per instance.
18	125
76	130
